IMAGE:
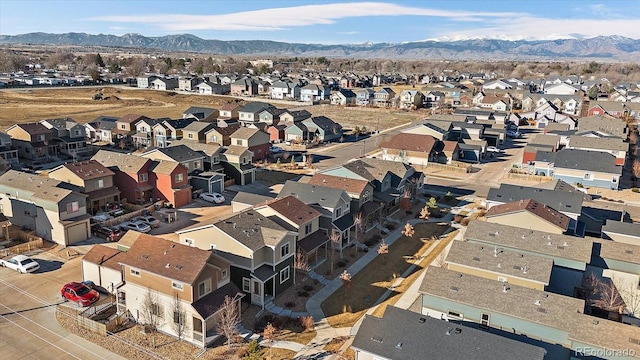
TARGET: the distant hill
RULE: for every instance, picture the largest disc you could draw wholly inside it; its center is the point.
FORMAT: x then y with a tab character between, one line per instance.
615	48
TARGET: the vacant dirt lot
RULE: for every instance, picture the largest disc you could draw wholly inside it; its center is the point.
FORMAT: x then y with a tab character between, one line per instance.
26	105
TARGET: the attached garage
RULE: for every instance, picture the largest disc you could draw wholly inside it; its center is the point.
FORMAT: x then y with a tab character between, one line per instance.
77	232
208	182
101	266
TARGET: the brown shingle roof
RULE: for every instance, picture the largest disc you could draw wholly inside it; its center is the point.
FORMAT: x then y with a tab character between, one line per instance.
34	128
337	182
124	162
164	167
166	258
540	210
131	118
90	169
104	256
230	106
293	209
412	142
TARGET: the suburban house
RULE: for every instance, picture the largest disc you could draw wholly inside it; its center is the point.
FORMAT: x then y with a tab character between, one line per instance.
359	190
125	127
33	141
229	111
101	264
188	83
603	125
184	284
94	179
209	88
70	136
221	135
613	145
531	214
8	153
297	132
623	232
414	149
257	141
250	112
314	92
171	182
270	116
411	99
144	81
383	97
260	251
334	206
587	168
244	87
182	154
343	97
289	117
164	84
407	335
365	96
285	90
131	175
99	130
172	130
323	128
513	267
46	206
294	215
196	131
237	162
276	133
201	114
212	179
144	135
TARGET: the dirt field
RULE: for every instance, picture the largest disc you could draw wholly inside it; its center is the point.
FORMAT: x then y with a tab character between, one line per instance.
25	105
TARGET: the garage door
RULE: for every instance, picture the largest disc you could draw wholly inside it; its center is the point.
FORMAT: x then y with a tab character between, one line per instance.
216	186
77	233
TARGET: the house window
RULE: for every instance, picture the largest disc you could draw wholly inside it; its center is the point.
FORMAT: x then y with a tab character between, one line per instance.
284	275
455	315
197	325
307	229
77	132
123	126
224	273
156	310
246	285
284	250
196	164
238	142
177	286
190	136
215	160
134	272
179	177
338	212
484	320
189	242
178	317
204	288
588	176
40	137
73	207
143	177
214	138
100	183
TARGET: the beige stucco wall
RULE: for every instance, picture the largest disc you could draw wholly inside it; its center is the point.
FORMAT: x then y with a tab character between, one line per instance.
203	238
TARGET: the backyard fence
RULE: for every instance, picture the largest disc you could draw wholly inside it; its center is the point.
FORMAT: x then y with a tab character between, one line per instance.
34	243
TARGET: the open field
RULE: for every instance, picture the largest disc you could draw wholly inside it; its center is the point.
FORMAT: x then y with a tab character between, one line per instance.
29	105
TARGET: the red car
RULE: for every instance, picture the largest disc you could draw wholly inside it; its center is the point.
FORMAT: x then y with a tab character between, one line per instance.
79	293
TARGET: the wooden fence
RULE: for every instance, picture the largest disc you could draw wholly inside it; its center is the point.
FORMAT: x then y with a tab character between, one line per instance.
528	177
36	243
457	167
99	327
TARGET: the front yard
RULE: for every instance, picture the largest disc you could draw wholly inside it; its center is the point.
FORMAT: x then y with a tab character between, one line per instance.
345	306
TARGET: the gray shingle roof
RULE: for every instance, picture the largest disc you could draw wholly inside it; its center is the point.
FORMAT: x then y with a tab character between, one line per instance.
597	161
619	251
563	201
587	142
255	107
622	228
252	229
199	112
35	187
180	153
314	194
403	334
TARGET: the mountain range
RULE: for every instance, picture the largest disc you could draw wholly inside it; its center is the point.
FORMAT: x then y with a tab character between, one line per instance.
609	48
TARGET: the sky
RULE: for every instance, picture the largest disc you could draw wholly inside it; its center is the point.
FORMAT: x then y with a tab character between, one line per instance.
326	22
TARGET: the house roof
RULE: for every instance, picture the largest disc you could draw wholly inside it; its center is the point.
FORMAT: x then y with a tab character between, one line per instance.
131	118
230	106
104	256
543	139
198	126
540	210
376	169
164	167
166	258
33	128
293	209
611	143
605	334
60	123
404	334
313	241
349	185
255	107
325	124
179	123
619	251
199	112
38	187
244	197
88	169
244	133
124	162
178	153
208	149
236	150
555	311
412	142
347	93
314	194
508	262
603	123
252	229
224	130
532	241
622	228
563	201
211	303
597	161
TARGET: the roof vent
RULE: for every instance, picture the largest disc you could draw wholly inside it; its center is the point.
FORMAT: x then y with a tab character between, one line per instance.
542	310
179	267
422	320
377	339
399	345
145	257
168	264
448	331
537	302
457	330
454	288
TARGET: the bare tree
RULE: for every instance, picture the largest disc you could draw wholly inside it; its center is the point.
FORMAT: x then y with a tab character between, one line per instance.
383	249
424	213
607	296
408	230
631	296
358	222
270	334
229	318
405	201
636	169
152	313
179	317
300	264
346	281
336	241
439	261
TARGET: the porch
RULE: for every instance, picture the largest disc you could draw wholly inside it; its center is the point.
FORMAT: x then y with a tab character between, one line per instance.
103	199
74	147
262	285
314	248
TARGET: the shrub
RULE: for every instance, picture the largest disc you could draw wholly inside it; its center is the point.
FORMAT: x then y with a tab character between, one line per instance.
409	212
307	288
464	222
290	304
341	264
242	351
635	190
253	351
303	294
390	227
262	322
458	218
376	237
307	322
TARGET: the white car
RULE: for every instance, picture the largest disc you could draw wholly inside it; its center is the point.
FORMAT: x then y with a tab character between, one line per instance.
149	220
212	197
20	263
136	225
494	149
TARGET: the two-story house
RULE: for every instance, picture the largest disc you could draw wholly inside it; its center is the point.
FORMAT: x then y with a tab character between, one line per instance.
183	285
8	153
314	92
188	83
323	129
587	168
333	204
212	179
250	112
164	84
260	251
290	117
46	206
131	175
210	88
201	114
196	131
229	111
613	145
125	127
99	129
294	215
143	134
411	99
34	141
285	90
70	136
172	131
414	149
237	162
94	179
191	160
171	182
256	140
244	87
144	81
343	97
270	116
383	97
221	135
365	96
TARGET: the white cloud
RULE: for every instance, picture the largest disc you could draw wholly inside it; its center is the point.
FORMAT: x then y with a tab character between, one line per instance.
296	16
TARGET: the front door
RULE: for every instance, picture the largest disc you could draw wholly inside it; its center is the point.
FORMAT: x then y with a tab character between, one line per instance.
256	292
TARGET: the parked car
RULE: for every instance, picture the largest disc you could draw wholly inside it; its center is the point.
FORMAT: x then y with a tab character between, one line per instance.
135	225
276	149
108	233
79	293
212	197
494	149
514	134
20	263
148	219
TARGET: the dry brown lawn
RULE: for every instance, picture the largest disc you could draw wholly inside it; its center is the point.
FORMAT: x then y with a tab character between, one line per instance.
28	105
344	308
